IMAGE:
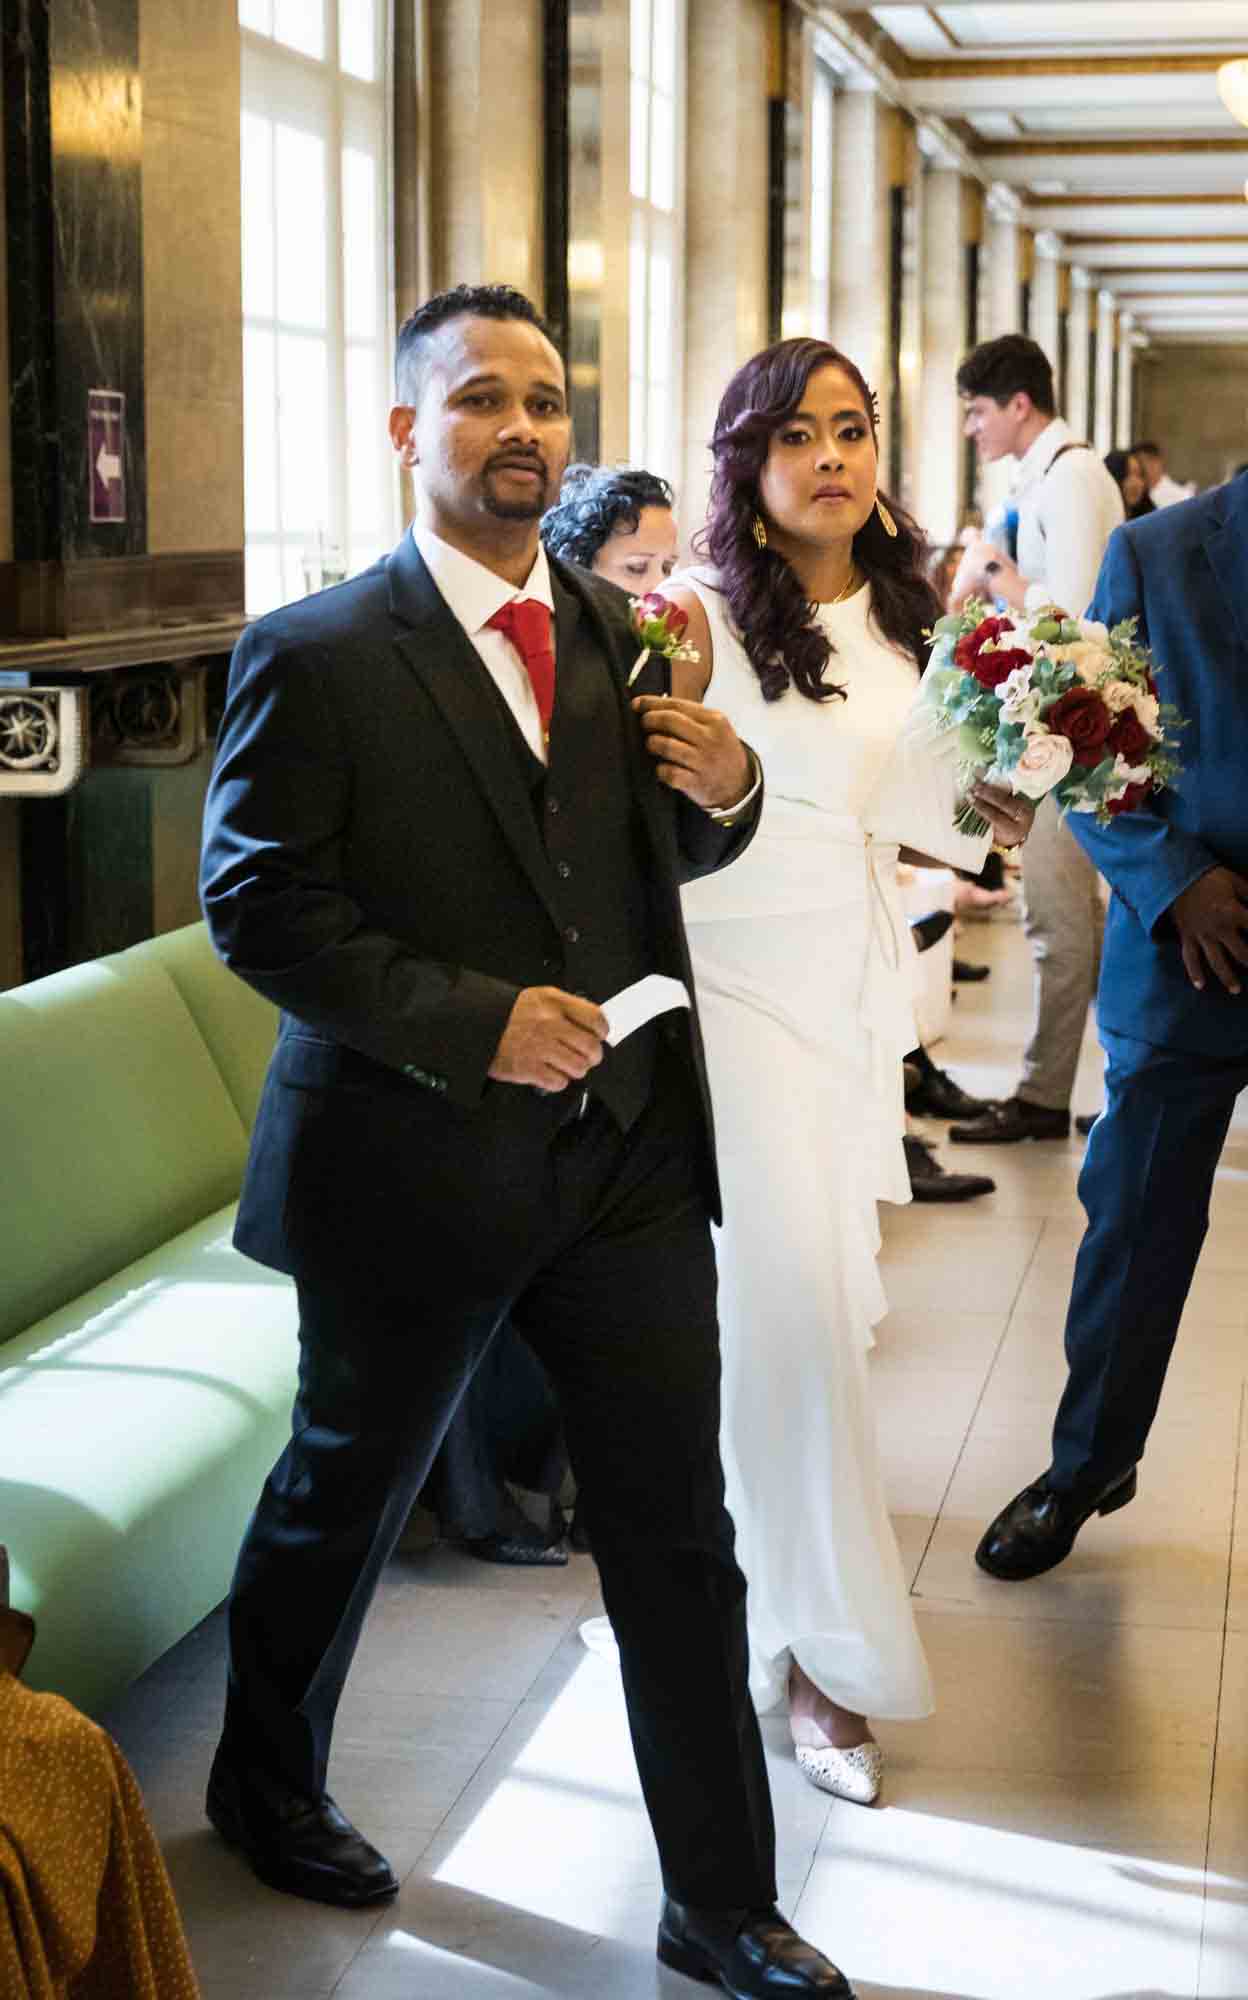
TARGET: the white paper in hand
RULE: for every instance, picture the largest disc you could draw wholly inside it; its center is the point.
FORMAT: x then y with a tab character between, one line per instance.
639	1003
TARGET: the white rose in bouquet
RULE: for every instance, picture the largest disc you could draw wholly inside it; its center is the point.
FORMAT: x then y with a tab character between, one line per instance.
1089	661
1019	700
1044	763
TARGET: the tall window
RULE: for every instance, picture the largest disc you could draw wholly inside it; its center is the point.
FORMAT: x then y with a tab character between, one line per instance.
321	493
656	246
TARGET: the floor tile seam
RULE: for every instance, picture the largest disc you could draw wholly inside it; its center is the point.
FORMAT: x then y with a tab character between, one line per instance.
1217	1726
938	1515
958	1609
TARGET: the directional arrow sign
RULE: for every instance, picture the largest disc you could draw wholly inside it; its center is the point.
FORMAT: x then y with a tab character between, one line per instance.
106	450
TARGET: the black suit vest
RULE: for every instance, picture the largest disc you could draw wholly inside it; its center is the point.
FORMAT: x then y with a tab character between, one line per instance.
598	857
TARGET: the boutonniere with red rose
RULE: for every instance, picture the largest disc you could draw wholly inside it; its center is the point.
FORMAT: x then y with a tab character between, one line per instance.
661	626
1043	703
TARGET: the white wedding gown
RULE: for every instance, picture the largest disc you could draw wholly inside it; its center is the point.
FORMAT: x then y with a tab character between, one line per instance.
804	964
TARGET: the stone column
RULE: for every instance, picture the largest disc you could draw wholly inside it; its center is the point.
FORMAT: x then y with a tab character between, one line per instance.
1126	376
1000	276
1106	334
1075	398
942	345
485	108
1046	273
725	220
860	278
998	283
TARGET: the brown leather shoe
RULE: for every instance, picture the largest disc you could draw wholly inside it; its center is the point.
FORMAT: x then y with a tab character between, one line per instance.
1004	1124
750	1954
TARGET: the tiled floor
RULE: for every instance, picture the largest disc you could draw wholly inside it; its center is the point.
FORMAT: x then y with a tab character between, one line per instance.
1070	1825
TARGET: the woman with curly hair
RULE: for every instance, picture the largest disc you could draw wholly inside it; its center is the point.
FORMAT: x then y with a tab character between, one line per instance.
617	520
808	621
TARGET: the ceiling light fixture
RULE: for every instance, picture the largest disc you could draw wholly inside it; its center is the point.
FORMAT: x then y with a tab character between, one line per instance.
1233	88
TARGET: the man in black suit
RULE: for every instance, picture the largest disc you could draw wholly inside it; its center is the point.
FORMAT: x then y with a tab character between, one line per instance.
440	831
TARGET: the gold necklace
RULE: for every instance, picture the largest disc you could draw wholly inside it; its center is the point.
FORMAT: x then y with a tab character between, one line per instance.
848	587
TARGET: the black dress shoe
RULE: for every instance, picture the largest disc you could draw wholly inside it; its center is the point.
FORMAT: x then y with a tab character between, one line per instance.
1038	1528
751	1954
1085	1121
929	930
936	1095
967	974
305	1847
1003	1124
929	1181
518	1550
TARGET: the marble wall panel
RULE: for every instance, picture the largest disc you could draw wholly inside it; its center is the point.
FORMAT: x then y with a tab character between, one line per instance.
6	491
73	101
10	896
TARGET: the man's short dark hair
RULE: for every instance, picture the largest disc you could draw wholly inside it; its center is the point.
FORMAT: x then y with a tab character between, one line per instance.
1010	366
1150	449
462	302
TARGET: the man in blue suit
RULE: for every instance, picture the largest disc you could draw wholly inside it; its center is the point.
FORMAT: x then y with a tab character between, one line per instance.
1173	1020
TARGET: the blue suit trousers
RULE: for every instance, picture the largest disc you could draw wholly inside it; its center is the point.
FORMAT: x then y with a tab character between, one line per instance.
1145	1184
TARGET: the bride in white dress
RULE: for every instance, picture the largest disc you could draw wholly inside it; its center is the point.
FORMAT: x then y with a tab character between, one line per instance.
802	958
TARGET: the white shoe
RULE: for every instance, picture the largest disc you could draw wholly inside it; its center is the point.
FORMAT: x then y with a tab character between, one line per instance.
852	1774
598	1637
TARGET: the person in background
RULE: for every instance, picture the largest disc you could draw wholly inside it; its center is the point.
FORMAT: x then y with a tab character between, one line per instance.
1128	469
1162	490
617	521
1173	1018
1067	506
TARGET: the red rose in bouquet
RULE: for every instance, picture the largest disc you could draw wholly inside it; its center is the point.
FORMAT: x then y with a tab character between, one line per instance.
1083	719
1128	738
1134	796
989	669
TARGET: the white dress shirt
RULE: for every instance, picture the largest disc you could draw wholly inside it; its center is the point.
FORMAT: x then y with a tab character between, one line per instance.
1065	518
1168	492
474	594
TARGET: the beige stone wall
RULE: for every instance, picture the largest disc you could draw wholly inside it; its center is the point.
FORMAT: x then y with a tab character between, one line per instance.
1194	401
485	113
725	219
192	274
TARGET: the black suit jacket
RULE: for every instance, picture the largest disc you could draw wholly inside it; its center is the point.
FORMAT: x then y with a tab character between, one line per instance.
372	863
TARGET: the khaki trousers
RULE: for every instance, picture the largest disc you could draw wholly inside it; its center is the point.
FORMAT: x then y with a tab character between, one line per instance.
1064	918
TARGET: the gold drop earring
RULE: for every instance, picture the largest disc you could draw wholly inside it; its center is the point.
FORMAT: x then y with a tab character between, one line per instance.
886	520
760	531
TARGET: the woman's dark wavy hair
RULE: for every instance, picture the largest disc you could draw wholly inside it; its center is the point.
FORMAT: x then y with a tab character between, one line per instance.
593	502
768	605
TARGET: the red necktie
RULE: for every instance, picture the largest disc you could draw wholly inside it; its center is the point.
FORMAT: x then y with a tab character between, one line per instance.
527	624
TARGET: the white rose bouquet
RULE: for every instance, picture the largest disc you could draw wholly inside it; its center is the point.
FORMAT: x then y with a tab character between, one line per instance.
1044	703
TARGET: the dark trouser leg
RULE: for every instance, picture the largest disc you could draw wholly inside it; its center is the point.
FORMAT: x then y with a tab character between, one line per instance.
625	1320
1145	1184
376	1392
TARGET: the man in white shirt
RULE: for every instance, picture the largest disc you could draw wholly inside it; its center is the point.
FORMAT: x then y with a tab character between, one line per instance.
1064	505
1162	490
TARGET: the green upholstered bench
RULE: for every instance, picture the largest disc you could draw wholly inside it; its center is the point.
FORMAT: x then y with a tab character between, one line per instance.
146	1369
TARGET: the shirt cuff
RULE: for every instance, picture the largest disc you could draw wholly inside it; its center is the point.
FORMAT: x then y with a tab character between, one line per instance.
725	815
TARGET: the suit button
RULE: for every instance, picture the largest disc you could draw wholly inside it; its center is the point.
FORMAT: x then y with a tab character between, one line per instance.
572	935
552	805
562	870
550	965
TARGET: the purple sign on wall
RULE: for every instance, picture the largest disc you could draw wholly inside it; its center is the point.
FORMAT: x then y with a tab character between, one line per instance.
106	452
